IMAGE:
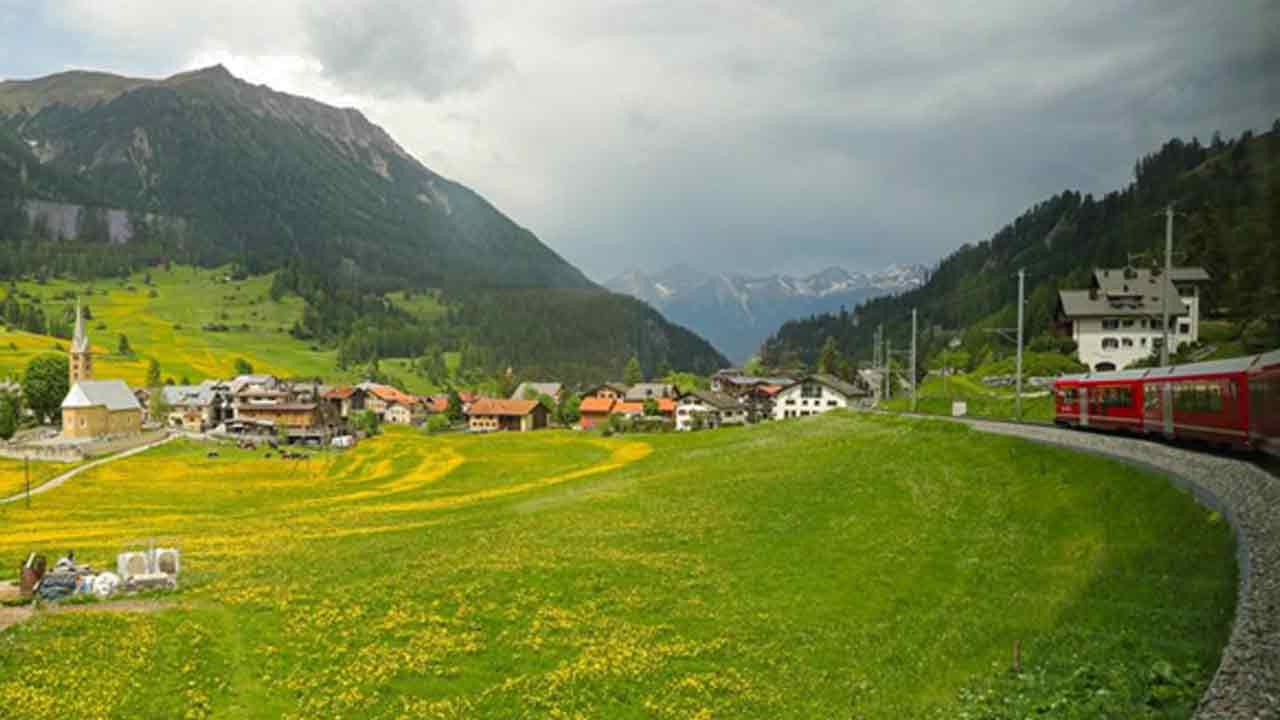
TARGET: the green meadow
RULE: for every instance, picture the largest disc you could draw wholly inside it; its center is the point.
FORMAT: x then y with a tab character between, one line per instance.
846	566
936	394
196	323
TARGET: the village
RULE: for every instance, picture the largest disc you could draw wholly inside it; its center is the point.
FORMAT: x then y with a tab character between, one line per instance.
262	408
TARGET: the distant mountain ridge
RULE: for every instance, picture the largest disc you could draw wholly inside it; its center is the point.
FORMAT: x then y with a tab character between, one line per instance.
736	312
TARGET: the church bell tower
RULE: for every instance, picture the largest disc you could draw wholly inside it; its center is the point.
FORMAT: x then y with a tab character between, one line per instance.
81	354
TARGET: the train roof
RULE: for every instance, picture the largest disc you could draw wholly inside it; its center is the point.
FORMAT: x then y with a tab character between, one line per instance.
1211	367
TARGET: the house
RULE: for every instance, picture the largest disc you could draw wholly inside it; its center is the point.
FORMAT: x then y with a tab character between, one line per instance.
708	409
608	391
649	391
759	401
1117	321
535	390
380	397
97	408
594	411
301	412
346	400
197	407
814	395
736	384
399	413
492	415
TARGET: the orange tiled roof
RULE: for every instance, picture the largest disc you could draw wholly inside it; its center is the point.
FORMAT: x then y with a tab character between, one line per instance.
390	394
666	405
629	408
508	408
436	403
340	393
595	405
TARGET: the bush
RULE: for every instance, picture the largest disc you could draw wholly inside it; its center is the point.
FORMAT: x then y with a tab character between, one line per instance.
438	423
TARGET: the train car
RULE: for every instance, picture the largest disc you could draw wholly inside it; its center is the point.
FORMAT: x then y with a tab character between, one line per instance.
1264	403
1229	403
1207	401
1101	400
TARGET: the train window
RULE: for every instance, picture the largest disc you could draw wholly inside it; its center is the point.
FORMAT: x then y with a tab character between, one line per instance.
1197	397
1150	397
1068	395
1114	397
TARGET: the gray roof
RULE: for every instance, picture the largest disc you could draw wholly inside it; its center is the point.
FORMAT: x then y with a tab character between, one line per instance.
201	395
1189	274
835	383
113	394
241	381
717	400
551	389
1128	292
1210	367
645	391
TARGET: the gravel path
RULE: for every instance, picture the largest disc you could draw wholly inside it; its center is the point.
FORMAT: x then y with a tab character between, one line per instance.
1247	684
55	482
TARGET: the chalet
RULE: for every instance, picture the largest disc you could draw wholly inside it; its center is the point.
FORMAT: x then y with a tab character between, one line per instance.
197	407
380	397
608	391
814	395
594	411
1117	321
708	409
399	413
493	415
535	390
736	384
346	400
759	402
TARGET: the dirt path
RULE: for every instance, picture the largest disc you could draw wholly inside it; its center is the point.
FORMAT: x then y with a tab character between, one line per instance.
59	480
14	615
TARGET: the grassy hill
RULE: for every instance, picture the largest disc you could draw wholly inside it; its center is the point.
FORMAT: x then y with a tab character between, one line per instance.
167	320
826	567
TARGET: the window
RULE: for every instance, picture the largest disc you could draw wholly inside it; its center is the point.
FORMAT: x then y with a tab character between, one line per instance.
832	403
1068	395
1184	328
1110	343
1110	324
1127	323
1126	342
811	390
1143	342
1197	397
1115	396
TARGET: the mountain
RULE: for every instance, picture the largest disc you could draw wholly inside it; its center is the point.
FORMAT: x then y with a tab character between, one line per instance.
737	312
1227	197
245	175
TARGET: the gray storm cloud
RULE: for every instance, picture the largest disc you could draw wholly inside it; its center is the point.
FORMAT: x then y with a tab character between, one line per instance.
396	48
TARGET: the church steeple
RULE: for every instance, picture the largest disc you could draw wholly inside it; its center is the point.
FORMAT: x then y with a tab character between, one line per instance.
81	354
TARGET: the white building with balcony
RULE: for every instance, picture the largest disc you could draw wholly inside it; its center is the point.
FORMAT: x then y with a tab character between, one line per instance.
1116	322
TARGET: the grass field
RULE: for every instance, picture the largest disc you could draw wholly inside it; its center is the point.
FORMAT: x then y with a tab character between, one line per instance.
13	478
936	395
844	566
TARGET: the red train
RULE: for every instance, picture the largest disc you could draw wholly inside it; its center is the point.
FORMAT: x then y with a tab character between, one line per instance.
1230	403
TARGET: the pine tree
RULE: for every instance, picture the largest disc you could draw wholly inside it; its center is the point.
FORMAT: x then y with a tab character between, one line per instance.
632	374
153	374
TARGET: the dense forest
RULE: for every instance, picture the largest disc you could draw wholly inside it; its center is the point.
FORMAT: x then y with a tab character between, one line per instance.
1227	198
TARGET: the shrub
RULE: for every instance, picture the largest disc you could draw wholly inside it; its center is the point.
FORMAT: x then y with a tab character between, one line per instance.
438	423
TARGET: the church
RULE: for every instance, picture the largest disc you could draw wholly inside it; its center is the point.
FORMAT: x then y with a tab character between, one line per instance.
96	408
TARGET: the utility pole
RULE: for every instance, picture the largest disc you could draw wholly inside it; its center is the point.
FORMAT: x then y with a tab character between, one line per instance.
913	360
1022	279
888	369
1168	282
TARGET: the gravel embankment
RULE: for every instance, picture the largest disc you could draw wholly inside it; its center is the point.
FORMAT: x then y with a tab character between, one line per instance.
1247	684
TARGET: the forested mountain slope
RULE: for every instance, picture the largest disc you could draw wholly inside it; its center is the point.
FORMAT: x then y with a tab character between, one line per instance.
1227	196
269	181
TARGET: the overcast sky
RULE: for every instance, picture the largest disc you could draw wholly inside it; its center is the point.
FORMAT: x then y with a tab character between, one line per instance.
734	135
